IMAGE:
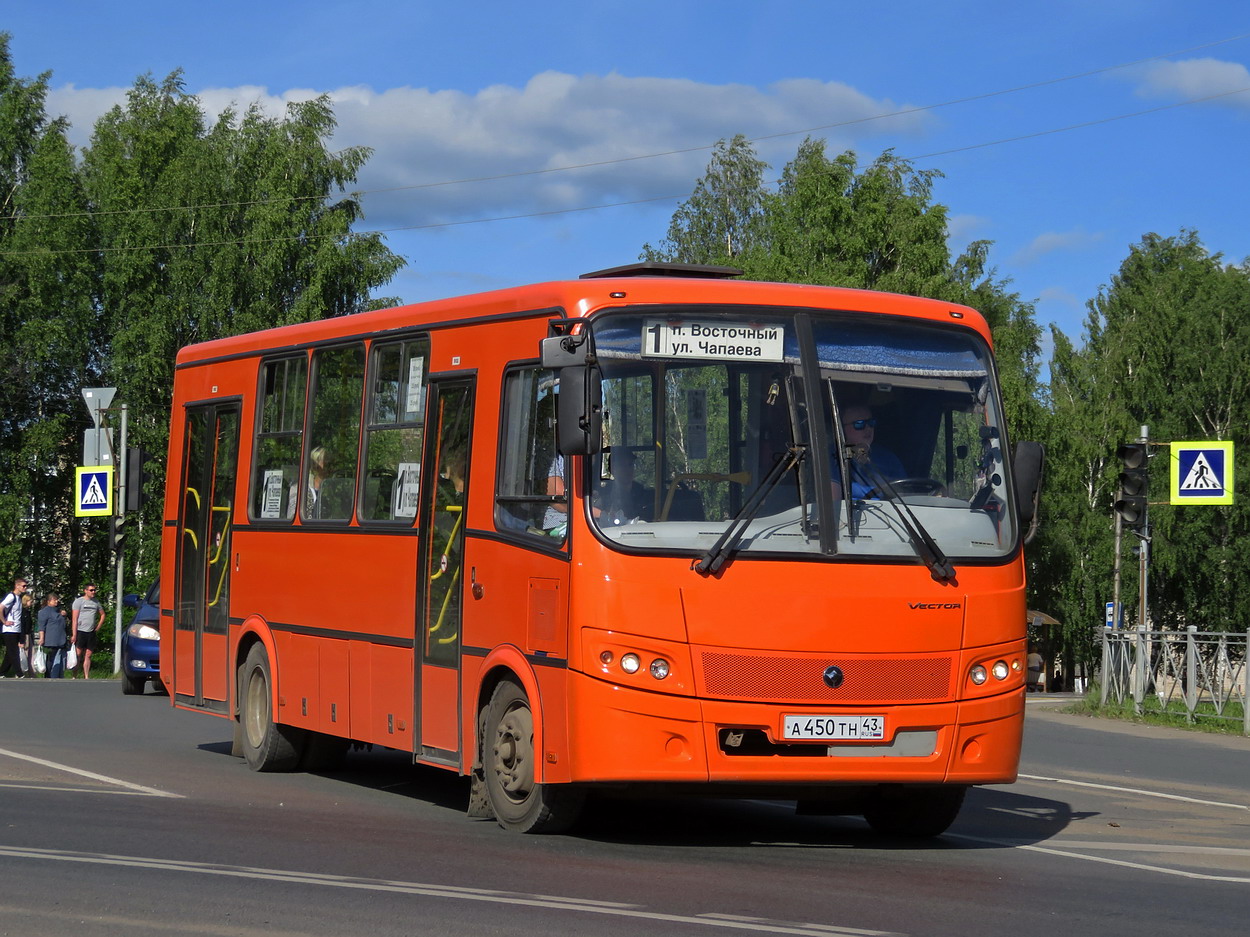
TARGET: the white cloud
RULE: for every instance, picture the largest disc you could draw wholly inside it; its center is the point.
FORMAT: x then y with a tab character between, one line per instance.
1197	78
1053	241
421	137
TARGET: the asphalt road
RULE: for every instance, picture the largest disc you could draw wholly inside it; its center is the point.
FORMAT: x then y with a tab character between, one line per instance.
121	815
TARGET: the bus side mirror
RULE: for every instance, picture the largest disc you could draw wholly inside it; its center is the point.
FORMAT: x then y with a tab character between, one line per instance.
564	351
1026	471
579	411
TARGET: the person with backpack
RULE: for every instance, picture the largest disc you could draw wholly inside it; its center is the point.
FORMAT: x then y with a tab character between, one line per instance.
11	626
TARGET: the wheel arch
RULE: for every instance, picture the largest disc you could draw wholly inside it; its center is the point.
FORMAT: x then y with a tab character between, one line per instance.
255	630
506	662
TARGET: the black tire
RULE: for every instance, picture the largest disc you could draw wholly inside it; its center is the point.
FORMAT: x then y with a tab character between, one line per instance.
509	761
159	686
913	812
132	686
267	746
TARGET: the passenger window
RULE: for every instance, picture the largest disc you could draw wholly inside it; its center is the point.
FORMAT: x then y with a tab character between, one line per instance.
533	477
280	438
395	431
329	482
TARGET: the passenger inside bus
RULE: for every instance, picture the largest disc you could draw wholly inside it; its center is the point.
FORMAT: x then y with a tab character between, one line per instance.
620	498
557	513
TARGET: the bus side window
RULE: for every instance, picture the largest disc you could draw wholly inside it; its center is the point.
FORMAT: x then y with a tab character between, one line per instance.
394	431
279	438
334	433
524	501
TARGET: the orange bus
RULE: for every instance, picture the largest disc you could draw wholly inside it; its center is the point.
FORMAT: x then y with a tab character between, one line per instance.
655	527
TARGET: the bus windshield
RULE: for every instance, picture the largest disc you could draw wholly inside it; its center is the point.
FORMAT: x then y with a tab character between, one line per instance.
798	431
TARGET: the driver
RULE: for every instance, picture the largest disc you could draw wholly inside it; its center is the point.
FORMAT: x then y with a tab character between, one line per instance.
867	462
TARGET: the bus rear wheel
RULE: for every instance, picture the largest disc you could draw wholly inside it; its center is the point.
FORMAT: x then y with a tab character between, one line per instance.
509	762
914	812
266	745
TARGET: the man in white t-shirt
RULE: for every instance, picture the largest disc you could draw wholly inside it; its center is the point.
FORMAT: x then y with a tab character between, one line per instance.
11	626
88	613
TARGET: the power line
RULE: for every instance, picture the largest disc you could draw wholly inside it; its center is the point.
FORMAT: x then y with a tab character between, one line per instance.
520	174
622	204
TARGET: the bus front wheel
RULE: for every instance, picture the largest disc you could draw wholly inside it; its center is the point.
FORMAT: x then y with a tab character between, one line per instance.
267	746
518	802
914	812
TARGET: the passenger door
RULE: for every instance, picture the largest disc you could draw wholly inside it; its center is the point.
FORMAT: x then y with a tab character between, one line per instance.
441	565
202	668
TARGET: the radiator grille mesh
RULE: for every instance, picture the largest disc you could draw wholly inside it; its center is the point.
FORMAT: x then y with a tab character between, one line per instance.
729	675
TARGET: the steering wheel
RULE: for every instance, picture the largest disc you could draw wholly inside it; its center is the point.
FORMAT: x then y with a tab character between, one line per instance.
916	485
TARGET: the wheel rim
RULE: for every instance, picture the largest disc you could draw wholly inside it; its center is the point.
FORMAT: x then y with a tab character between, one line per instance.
257	707
514	753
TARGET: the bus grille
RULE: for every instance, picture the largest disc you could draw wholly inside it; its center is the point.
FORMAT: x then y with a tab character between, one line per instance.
800	679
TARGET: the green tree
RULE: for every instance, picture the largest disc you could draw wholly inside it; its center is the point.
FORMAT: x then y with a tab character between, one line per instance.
47	290
722	219
212	230
169	229
1169	341
833	224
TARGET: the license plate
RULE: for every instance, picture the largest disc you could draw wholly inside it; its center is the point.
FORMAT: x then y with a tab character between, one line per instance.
833	728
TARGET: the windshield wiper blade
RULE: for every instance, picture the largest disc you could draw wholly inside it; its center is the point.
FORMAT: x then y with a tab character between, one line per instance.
940	567
728	541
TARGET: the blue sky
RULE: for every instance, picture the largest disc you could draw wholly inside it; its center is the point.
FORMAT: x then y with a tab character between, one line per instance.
450	92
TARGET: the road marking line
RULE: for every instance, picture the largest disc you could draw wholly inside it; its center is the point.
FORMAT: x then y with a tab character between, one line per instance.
1151	847
1183	873
138	788
1132	790
63	789
550	902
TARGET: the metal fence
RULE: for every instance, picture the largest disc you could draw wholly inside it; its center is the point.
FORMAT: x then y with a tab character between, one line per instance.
1203	675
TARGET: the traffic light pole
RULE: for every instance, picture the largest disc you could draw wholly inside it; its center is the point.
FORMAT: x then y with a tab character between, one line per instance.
119	569
1143	554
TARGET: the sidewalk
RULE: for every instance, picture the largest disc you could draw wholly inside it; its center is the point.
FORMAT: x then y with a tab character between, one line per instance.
1051	700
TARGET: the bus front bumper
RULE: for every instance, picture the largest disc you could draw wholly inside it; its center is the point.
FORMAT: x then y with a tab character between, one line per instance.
620	734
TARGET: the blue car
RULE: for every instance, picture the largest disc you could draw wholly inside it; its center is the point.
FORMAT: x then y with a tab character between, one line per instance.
141	642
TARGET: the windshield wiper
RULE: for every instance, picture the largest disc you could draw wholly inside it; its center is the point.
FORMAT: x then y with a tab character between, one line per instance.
940	567
727	542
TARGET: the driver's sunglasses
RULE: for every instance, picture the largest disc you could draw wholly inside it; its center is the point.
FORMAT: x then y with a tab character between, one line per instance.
862	424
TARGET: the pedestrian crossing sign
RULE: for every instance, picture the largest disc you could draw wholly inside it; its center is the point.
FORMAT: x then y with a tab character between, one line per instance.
1202	473
94	491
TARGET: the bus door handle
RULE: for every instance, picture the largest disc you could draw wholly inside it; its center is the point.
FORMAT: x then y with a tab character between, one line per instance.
474	586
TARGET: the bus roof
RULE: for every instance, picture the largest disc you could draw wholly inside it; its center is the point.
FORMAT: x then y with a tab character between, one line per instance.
578	298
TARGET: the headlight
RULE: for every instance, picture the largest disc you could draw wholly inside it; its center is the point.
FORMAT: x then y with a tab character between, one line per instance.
978	675
146	632
1001	670
659	668
630	663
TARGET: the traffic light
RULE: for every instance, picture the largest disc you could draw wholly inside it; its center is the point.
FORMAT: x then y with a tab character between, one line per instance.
137	478
1134	483
117	532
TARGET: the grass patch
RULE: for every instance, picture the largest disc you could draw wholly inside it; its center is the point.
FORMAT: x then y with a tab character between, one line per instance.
1175	715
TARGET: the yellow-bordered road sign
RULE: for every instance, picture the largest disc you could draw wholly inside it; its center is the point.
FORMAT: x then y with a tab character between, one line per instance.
93	489
1202	473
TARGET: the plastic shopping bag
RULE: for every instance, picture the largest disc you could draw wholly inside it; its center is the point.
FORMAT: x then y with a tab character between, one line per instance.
71	657
23	660
40	663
